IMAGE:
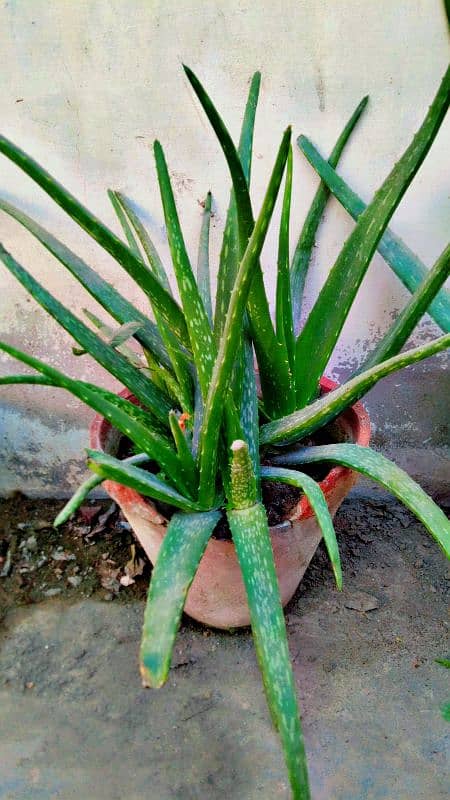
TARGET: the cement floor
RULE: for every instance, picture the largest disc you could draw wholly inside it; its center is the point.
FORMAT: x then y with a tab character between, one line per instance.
75	722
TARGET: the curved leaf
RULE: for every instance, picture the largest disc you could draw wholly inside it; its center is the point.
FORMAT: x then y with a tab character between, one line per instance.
380	469
318	503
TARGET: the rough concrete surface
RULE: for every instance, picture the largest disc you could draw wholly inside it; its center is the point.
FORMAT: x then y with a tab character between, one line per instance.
75	722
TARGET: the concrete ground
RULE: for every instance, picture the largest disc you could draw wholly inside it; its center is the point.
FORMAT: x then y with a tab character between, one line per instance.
75	722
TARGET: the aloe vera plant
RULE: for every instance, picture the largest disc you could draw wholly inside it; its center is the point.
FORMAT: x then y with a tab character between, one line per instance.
190	366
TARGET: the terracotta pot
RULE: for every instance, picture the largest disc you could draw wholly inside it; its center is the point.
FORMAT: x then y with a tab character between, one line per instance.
217	595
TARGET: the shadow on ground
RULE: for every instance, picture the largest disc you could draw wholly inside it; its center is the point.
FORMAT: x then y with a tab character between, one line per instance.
75	722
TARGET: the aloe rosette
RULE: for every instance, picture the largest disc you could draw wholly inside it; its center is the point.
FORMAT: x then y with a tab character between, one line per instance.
189	363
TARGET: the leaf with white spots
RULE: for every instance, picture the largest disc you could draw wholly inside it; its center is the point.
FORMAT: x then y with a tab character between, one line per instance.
380	469
181	550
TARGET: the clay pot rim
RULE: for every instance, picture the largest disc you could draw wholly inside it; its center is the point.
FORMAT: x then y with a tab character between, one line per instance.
356	418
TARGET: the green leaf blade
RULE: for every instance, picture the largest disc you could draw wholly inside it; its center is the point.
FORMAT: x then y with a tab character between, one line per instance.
400	331
101	234
251	538
403	262
181	550
141	481
391	477
200	335
327	317
307	238
109	358
203	270
307	420
318	504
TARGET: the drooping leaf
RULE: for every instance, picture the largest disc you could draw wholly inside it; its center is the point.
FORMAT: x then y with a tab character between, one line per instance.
181	550
380	469
307	420
326	319
224	363
404	263
273	372
203	272
102	235
109	358
318	503
303	251
143	482
200	335
400	331
101	290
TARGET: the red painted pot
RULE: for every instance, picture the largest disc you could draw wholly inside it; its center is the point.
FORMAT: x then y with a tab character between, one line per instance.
217	595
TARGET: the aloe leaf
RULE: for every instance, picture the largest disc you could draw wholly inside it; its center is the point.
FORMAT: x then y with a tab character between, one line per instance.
122	414
307	420
203	271
181	550
153	258
274	375
101	290
407	320
229	254
200	335
184	453
283	310
326	319
221	375
109	358
143	482
391	477
178	359
102	235
318	503
249	415
85	489
307	238
117	337
125	225
250	531
404	263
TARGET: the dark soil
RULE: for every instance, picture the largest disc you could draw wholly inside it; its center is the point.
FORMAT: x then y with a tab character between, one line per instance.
86	557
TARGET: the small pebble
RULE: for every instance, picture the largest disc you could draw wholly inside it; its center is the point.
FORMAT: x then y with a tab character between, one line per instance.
74	580
52	592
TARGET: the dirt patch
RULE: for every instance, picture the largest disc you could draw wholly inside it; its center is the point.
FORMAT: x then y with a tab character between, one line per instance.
95	554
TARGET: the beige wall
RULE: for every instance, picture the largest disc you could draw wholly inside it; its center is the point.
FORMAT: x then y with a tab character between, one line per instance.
87	86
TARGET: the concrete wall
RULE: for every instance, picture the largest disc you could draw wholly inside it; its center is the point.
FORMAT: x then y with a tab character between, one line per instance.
87	87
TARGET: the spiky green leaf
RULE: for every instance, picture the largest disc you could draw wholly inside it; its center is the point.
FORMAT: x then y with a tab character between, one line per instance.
109	358
326	319
305	244
231	335
403	262
102	235
203	271
101	290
